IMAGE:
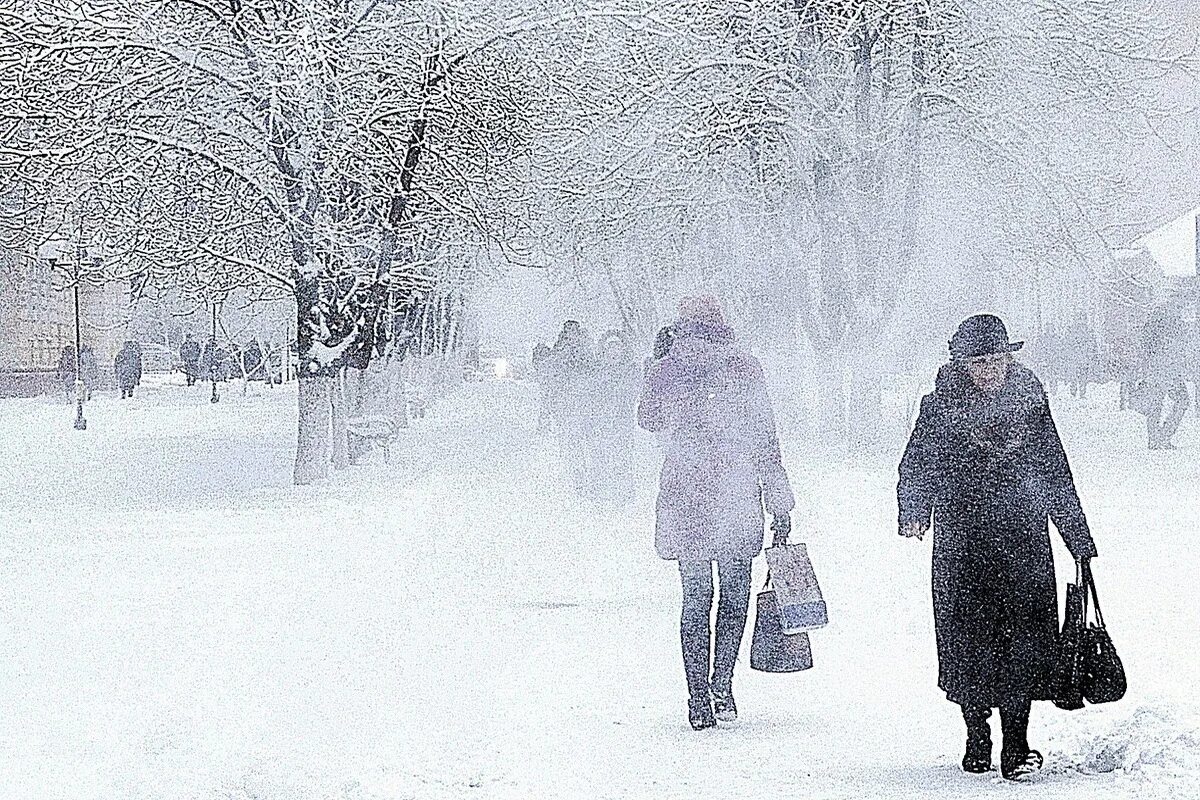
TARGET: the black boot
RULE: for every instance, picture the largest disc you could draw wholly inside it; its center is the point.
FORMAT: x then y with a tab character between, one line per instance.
723	704
1015	766
1016	759
700	713
978	757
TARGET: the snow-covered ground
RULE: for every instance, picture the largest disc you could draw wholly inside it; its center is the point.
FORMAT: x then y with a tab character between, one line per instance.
177	621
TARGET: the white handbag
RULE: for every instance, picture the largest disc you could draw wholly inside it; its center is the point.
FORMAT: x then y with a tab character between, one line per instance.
801	604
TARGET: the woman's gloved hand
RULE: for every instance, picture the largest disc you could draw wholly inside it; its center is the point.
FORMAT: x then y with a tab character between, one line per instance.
781	526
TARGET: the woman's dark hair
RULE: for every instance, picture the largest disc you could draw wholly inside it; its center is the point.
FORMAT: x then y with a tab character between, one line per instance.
663	342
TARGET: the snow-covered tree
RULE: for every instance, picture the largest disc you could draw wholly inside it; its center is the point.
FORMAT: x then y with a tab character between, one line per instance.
344	151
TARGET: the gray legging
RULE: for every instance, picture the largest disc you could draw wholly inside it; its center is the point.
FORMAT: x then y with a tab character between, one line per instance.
695	622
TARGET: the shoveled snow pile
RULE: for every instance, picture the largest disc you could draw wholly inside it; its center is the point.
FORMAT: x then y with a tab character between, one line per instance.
1156	744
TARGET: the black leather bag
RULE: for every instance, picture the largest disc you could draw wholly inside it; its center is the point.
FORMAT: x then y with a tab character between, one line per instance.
1102	673
1068	669
1088	667
772	650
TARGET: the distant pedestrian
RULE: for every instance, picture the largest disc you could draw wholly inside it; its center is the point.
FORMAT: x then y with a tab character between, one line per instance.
68	371
189	353
89	371
1081	357
610	401
721	467
128	368
986	467
569	370
1164	377
541	372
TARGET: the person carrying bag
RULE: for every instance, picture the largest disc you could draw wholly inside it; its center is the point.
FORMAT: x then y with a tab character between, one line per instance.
707	398
985	468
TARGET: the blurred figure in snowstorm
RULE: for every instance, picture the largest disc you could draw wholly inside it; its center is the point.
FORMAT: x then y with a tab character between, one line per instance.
1164	370
569	370
1082	356
128	368
613	396
540	361
985	463
1050	361
721	467
67	371
189	354
89	370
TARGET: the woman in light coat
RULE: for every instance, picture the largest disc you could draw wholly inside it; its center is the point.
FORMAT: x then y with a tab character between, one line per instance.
722	466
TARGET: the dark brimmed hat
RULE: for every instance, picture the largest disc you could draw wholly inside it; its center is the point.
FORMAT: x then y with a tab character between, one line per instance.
981	335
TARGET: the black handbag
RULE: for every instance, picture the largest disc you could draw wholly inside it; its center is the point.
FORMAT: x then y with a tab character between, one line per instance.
1102	676
772	650
1068	672
1088	667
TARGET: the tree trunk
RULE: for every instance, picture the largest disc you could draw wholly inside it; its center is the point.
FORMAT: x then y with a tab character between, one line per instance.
866	409
339	428
831	399
314	432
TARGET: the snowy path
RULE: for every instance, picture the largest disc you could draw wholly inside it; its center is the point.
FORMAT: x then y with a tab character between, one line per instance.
458	625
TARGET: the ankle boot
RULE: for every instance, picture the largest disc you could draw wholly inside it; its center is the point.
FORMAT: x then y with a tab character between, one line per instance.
700	713
978	756
723	704
1016	758
1016	765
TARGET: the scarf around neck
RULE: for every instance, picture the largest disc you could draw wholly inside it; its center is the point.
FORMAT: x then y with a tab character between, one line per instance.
999	425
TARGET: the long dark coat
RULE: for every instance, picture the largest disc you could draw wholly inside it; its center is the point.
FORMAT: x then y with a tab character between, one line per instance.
991	471
128	367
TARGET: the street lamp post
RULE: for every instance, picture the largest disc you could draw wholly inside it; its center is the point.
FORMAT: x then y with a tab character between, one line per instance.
80	390
53	251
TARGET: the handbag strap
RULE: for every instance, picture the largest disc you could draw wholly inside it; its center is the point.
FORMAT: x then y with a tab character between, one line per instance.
1086	569
1081	583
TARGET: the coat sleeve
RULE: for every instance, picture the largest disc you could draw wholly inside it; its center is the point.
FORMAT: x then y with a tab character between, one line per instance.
1066	512
777	489
920	469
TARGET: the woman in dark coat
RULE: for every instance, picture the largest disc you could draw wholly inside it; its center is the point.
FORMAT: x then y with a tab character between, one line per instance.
722	467
128	368
986	463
